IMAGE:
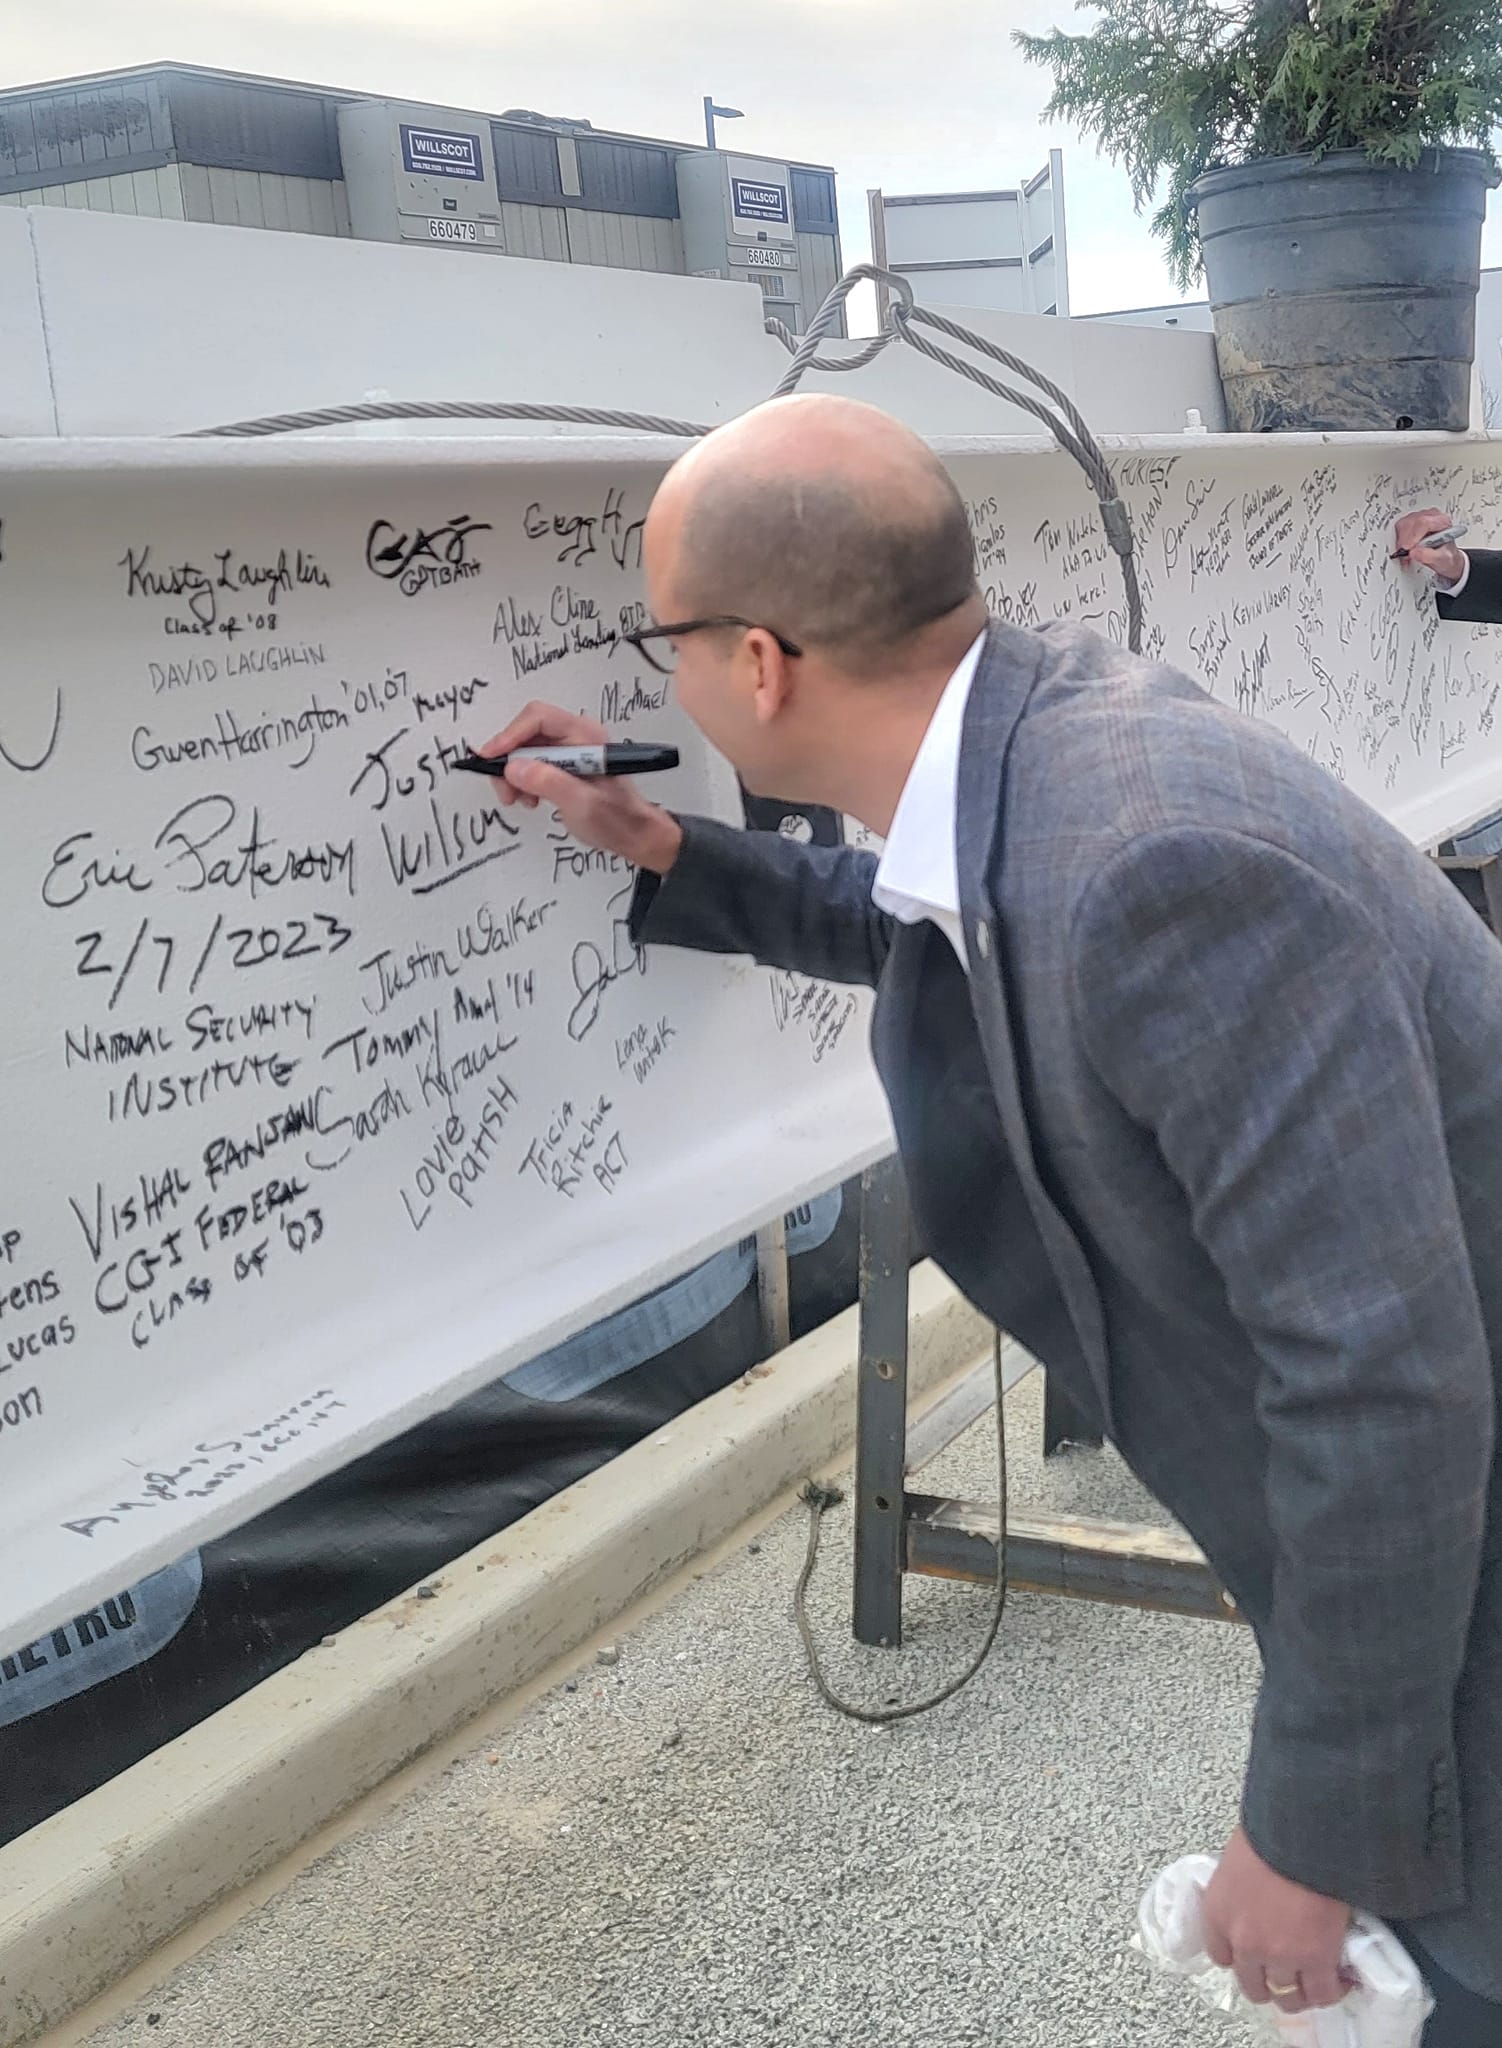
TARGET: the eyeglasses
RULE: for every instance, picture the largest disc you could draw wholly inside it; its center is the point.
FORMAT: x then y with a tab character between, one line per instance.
663	661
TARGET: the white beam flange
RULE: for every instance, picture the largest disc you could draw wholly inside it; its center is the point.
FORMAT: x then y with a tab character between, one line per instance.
89	1893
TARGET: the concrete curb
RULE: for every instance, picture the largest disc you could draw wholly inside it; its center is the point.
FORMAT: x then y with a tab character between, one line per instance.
90	1893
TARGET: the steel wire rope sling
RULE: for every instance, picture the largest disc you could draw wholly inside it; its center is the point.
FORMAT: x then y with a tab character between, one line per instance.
901	316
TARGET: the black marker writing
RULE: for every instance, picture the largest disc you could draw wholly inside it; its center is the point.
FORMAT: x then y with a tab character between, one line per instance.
32	767
427	557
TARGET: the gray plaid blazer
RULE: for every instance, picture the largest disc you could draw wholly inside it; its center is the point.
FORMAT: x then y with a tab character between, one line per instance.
1216	1130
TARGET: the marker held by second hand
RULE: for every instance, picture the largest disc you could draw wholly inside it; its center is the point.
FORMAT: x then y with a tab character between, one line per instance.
618	757
1430	540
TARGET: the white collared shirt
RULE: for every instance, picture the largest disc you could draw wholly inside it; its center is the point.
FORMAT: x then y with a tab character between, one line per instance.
918	875
1454	589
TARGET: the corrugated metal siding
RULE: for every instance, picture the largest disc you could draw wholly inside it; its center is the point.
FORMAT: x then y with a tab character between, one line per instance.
46	135
539	231
159	192
526	163
635	178
625	241
234	127
195	192
814	208
588	241
299	205
819	264
154	195
224	199
321	199
667	241
274	212
264	199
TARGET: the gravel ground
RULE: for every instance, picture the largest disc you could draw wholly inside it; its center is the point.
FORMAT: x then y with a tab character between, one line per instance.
683	1849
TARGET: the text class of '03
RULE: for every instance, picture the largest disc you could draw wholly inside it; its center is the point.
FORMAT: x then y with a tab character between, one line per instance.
311	993
318	997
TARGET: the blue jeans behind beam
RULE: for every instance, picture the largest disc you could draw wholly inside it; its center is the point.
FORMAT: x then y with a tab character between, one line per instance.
618	1345
679	1310
1481	839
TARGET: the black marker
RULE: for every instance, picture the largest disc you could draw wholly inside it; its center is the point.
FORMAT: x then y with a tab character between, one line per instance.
620	757
1430	540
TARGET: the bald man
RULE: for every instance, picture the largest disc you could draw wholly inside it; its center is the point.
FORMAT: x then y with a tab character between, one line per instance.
1196	1070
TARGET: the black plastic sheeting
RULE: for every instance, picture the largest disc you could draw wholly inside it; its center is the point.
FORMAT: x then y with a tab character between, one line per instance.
117	1683
249	1604
85	1703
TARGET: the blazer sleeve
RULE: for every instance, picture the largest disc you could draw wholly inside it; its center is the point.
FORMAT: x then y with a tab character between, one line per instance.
1480	603
1244	1010
808	908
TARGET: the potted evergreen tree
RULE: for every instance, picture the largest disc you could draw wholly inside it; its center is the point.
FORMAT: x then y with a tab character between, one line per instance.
1327	163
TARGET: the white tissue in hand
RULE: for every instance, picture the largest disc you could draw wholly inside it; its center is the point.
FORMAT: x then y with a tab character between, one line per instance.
1386	2008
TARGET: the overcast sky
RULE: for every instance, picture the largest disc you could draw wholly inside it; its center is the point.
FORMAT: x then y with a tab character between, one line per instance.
911	95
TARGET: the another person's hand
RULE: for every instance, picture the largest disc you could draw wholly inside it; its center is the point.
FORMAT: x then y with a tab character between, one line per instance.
1283	1941
608	811
1447	561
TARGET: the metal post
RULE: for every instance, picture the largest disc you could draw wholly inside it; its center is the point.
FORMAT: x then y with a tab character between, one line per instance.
1063	1423
1491	890
709	134
773	1291
881	1407
877	214
1488	872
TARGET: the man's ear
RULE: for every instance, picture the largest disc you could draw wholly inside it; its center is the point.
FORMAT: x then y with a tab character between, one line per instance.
771	677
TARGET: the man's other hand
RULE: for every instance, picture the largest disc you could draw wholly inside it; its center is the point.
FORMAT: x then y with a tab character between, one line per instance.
1283	1941
1447	561
604	811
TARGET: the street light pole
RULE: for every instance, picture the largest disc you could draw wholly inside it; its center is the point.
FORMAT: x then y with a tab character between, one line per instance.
711	112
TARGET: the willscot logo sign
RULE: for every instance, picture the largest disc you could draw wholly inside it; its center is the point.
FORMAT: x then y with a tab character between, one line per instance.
439	153
759	202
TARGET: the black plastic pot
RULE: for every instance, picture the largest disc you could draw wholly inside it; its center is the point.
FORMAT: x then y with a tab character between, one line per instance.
1344	291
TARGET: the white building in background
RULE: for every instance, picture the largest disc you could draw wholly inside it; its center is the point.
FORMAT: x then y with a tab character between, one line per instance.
1193	318
1002	251
181	142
